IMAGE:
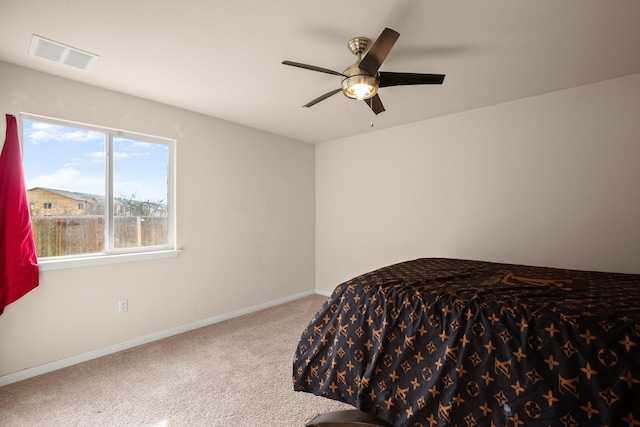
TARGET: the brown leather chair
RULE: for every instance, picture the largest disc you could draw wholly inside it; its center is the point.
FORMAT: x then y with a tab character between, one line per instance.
348	418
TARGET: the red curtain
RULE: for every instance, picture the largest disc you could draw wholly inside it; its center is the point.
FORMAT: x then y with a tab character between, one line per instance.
18	262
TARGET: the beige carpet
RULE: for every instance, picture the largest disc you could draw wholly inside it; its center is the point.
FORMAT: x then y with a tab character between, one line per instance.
234	373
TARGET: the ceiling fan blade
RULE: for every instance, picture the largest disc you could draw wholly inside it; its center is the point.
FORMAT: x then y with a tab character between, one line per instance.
312	68
399	79
322	98
375	104
379	51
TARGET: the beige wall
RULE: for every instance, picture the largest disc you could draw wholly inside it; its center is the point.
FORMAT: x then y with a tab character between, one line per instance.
245	208
549	180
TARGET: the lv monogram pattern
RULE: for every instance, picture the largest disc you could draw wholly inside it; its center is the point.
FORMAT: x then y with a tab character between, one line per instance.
444	342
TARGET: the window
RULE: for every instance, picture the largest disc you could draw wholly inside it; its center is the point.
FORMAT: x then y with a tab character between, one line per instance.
103	192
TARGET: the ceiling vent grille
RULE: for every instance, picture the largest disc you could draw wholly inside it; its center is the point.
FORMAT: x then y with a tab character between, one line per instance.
62	54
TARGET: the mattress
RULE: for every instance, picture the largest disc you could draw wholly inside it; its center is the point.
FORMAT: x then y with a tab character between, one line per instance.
444	342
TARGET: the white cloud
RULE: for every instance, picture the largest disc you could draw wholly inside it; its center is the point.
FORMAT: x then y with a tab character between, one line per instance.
97	155
40	133
143	144
69	179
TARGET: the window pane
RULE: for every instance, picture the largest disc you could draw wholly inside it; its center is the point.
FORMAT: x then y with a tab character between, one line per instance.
64	171
96	191
140	192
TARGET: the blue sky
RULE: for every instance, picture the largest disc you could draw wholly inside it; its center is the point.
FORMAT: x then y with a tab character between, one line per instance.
73	159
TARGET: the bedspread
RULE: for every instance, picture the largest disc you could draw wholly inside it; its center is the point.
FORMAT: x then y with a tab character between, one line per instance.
444	342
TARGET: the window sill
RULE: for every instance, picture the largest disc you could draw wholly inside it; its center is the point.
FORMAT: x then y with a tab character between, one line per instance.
89	261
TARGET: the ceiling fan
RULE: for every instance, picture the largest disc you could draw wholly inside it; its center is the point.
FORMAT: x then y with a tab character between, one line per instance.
362	80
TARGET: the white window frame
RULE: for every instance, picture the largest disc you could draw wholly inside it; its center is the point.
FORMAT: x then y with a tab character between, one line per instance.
113	255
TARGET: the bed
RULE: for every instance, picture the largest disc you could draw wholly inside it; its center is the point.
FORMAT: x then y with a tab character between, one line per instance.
447	342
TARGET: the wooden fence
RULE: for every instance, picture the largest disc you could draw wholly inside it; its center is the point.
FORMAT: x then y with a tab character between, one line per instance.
83	234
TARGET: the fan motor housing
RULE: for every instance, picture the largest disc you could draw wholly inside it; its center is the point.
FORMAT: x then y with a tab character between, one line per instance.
359	84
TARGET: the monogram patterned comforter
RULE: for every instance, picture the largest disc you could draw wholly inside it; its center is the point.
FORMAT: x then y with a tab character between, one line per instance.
444	342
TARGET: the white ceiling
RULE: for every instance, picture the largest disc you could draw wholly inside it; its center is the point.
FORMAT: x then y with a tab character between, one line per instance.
224	57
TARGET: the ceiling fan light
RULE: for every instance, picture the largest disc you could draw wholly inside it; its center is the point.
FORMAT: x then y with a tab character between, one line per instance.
360	86
362	91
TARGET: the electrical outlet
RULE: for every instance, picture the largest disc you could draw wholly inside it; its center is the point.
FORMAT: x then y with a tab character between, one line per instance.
123	305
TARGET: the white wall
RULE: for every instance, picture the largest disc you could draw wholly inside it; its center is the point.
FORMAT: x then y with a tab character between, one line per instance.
245	209
550	180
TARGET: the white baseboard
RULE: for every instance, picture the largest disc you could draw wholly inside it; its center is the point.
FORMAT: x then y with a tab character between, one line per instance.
94	354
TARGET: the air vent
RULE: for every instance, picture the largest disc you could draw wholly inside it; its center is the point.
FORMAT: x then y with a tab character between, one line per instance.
62	54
